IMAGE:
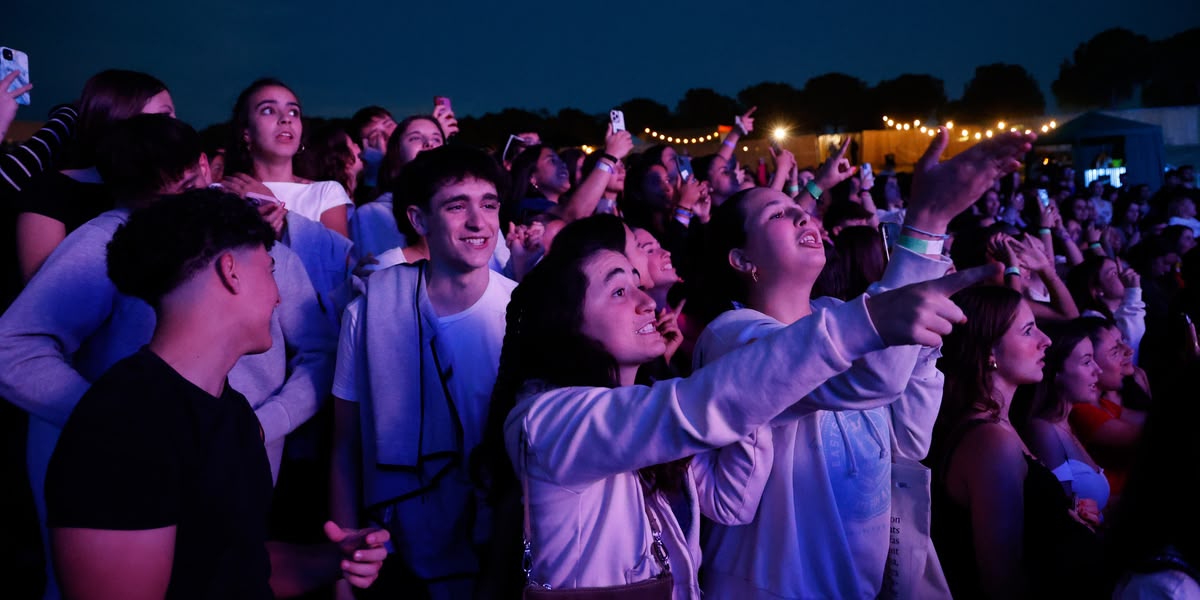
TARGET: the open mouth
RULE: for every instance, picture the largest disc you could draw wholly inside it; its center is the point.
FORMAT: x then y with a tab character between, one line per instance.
810	239
648	328
477	242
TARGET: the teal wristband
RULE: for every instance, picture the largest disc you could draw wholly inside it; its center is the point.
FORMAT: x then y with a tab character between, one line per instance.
920	246
1095	246
793	189
1044	231
814	190
1012	271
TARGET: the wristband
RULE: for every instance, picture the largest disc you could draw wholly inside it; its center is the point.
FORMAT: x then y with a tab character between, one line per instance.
603	166
684	212
936	236
728	143
793	189
1095	246
614	160
1012	271
814	190
1044	231
920	246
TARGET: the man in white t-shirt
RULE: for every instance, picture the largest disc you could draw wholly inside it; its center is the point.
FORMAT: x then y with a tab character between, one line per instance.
417	359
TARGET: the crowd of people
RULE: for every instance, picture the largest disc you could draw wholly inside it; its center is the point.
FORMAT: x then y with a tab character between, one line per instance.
364	360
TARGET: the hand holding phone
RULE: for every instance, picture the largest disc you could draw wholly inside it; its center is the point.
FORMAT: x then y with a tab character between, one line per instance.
685	167
442	101
14	69
445	115
618	120
1043	197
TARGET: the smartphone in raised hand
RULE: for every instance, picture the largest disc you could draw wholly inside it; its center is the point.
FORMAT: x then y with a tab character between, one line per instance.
618	120
1043	197
685	167
15	60
442	101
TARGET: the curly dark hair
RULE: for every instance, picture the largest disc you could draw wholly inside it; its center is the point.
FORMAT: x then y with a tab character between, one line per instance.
166	243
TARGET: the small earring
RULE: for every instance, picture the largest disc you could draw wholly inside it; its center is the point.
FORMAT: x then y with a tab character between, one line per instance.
301	149
992	364
754	275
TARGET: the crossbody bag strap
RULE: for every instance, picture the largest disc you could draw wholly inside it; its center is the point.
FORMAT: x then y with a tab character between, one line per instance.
658	549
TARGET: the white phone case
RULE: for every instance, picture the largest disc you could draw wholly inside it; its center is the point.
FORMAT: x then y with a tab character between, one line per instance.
618	120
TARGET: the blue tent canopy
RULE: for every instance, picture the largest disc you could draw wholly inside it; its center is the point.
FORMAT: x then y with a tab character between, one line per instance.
1088	135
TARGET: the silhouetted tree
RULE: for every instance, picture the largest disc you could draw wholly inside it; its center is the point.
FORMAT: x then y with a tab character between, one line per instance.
777	103
1104	71
1175	74
641	113
1000	91
910	97
703	107
838	102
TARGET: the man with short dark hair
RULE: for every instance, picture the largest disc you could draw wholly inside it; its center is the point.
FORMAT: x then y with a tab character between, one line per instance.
160	485
417	359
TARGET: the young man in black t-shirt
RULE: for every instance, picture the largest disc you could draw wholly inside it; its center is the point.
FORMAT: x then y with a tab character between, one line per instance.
160	485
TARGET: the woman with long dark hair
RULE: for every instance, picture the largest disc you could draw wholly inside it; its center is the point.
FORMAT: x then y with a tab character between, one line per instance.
1002	526
266	130
610	499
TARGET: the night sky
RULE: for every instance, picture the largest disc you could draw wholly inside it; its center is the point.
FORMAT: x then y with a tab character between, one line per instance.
589	55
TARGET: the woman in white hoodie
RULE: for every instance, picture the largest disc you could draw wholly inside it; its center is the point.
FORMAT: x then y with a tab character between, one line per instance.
603	461
822	527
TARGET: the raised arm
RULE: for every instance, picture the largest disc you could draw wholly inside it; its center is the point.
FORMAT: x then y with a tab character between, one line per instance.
37	155
582	201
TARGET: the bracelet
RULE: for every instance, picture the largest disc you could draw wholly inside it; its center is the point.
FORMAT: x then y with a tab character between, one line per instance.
920	246
936	236
1095	246
1014	270
1044	231
684	212
814	190
728	143
614	160
793	189
603	166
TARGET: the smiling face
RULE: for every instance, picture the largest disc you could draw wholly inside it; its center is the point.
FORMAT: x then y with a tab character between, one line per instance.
1114	358
658	261
460	225
274	128
618	315
1080	376
1020	353
782	242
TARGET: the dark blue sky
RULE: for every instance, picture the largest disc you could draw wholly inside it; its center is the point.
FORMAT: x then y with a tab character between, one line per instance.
590	55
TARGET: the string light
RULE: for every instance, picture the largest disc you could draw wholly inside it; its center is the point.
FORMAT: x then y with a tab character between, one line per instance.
968	133
682	140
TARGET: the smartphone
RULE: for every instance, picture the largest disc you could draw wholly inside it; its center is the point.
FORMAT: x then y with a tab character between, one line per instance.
685	167
775	145
1043	197
889	232
864	172
442	101
513	147
15	60
618	120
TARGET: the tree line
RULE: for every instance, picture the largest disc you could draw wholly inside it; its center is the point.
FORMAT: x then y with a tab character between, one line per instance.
1113	68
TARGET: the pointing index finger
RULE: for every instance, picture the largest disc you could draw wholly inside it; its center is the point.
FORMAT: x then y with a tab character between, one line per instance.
959	280
751	111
